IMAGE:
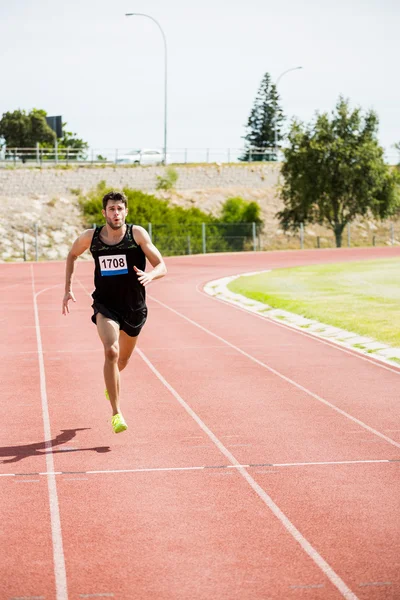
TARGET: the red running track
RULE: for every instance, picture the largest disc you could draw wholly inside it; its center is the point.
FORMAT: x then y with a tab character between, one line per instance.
259	463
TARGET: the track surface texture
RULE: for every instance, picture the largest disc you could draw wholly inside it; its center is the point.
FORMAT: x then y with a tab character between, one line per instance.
259	463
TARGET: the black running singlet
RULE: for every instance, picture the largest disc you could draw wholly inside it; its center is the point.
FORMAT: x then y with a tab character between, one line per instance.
115	280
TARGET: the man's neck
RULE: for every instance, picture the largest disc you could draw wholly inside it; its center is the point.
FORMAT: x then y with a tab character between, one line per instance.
115	234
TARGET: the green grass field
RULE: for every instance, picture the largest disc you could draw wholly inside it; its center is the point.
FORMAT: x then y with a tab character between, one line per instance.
363	297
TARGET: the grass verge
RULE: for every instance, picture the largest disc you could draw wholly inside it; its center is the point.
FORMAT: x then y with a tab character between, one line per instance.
363	297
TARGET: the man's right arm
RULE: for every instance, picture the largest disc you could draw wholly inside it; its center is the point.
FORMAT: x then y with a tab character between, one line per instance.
79	246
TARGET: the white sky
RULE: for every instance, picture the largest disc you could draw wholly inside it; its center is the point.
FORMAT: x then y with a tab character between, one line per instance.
103	72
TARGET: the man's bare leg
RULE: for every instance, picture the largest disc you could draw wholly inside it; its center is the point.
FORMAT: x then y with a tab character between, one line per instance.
126	347
109	334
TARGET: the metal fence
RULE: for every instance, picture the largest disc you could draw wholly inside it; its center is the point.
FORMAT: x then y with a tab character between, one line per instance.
19	157
39	243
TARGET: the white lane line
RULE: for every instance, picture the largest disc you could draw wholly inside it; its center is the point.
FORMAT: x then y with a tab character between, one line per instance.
333	462
287	379
147	470
211	467
294	532
378	583
56	534
307	334
100	595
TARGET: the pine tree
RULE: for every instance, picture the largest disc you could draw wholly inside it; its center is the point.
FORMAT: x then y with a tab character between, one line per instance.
261	123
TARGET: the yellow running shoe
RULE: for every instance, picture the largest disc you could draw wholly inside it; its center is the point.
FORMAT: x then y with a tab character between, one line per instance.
118	423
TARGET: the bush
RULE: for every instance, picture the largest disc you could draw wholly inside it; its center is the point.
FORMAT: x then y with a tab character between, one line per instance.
168	182
177	230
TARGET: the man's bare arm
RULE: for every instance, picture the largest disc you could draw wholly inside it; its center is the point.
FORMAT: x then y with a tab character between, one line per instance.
153	256
79	246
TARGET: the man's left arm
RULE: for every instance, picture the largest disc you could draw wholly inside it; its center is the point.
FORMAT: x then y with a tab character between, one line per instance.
152	254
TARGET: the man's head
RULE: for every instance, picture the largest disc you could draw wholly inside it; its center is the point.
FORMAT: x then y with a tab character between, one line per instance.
115	209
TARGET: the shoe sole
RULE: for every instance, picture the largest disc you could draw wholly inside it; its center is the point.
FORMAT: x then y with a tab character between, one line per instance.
121	428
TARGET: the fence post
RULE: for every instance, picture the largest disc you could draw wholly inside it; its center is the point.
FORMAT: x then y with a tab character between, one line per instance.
186	154
318	242
36	242
56	151
301	236
150	231
392	234
37	153
348	235
208	155
254	237
188	242
203	235
229	156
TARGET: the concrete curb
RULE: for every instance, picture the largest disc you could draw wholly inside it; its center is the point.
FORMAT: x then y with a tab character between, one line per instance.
361	344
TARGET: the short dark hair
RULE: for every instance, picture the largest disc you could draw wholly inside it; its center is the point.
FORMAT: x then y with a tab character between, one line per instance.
116	196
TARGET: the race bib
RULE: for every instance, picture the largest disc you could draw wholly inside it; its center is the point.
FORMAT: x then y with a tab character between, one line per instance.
113	265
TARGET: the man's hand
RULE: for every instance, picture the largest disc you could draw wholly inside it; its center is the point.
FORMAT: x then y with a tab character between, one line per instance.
144	278
67	297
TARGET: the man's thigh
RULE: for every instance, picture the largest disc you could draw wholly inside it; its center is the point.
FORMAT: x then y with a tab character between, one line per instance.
127	345
107	329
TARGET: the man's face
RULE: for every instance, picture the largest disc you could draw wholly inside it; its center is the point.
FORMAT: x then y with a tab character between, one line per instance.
115	214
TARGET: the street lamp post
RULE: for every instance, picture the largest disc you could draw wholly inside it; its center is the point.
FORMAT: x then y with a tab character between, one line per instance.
276	115
165	75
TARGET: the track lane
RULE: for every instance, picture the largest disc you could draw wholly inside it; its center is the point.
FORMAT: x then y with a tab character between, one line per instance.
60	406
103	493
26	558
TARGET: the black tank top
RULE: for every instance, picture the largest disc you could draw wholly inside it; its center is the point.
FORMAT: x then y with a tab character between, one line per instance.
115	280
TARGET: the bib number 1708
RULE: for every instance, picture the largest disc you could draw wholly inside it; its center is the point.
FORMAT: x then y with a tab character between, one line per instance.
113	265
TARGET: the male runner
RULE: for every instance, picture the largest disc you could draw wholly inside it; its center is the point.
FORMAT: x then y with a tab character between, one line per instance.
119	299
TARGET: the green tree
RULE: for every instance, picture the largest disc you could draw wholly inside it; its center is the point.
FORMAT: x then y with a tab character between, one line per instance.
397	146
261	122
70	141
334	171
22	130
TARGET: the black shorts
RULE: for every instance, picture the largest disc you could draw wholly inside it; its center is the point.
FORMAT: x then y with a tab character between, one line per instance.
130	320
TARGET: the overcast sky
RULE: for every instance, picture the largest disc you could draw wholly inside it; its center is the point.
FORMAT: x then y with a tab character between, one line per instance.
103	72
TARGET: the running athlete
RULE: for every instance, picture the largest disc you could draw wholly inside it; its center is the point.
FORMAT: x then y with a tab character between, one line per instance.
119	299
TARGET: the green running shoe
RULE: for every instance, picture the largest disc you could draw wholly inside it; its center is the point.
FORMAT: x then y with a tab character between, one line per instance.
107	395
118	423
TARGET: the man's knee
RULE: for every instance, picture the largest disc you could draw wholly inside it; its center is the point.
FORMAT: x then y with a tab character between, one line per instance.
112	352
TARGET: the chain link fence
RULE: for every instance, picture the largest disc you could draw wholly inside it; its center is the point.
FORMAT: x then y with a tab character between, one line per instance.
39	243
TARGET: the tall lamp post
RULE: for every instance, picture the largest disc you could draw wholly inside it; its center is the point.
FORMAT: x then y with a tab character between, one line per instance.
165	75
276	115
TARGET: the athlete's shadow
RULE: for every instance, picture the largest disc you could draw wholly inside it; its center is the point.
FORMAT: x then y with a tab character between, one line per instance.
20	452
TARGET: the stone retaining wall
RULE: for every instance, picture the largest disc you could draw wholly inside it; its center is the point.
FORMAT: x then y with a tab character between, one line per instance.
17	182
